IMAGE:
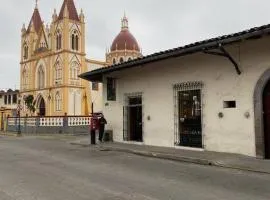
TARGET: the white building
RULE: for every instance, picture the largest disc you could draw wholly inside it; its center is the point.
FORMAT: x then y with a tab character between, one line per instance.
96	88
8	105
211	95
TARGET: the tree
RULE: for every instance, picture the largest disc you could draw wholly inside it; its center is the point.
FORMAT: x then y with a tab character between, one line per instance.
30	104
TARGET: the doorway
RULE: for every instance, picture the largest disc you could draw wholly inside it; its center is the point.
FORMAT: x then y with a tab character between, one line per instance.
42	107
190	123
133	119
266	116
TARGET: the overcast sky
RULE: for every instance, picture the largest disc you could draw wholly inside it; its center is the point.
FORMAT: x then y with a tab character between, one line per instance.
156	24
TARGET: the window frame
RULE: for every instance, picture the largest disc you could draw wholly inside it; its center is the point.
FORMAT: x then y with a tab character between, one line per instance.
75	40
95	86
111	89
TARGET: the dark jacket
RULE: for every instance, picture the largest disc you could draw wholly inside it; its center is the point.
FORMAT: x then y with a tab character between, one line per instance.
102	122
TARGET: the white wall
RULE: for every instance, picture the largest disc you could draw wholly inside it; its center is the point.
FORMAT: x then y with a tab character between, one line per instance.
75	102
96	95
2	103
8	106
234	133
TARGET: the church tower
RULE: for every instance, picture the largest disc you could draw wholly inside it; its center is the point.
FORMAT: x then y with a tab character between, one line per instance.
124	47
52	57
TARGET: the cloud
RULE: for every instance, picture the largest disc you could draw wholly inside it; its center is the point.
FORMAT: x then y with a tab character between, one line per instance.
156	24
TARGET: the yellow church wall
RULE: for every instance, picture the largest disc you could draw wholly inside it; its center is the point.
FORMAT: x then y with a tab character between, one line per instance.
47	59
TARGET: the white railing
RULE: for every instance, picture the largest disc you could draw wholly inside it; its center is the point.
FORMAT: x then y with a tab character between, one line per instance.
51	121
31	121
15	121
79	121
11	121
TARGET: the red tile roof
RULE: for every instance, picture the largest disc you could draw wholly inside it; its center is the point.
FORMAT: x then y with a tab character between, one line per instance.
36	20
73	14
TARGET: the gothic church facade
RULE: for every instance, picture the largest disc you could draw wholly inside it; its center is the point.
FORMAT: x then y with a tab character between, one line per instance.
52	57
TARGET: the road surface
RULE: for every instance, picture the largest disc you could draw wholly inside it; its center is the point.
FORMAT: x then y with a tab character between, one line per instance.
33	168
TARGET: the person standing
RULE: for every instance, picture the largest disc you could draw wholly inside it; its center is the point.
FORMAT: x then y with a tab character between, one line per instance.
102	122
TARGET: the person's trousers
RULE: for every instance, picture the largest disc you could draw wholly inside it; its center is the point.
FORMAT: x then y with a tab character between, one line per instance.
101	133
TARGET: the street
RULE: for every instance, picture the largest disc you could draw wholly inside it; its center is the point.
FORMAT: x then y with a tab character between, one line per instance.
33	168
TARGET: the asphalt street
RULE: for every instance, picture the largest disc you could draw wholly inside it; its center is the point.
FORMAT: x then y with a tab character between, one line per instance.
33	168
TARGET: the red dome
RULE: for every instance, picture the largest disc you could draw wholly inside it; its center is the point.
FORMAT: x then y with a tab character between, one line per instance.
125	41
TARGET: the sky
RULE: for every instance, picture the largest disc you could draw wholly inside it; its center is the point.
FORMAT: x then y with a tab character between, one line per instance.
156	24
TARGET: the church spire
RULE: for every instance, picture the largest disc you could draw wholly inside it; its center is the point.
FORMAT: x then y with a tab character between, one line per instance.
69	6
36	4
124	22
35	21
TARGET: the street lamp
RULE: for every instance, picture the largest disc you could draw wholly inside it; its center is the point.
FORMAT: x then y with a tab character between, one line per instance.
19	115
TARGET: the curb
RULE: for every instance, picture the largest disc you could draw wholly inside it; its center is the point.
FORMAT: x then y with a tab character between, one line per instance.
228	166
165	156
186	159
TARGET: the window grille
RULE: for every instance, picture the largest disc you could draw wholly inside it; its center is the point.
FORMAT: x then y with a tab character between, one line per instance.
111	89
188	114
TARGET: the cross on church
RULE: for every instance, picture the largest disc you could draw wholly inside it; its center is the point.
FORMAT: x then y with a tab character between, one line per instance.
36	3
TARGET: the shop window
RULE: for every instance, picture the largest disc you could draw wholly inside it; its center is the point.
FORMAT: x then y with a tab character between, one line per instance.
111	89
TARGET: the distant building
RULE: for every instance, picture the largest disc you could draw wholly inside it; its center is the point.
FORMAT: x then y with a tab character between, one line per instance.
124	47
52	57
8	105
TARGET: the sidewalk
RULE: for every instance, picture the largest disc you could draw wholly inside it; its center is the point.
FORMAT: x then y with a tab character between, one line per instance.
232	161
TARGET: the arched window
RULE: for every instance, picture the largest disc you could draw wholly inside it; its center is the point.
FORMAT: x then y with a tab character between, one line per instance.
114	61
121	60
74	70
129	59
41	78
58	40
75	40
58	102
72	42
25	52
25	78
58	72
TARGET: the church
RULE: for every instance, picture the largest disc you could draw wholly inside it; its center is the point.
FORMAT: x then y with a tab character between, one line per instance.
53	56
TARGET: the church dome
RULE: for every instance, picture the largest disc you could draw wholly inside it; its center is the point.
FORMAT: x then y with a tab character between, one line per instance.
125	40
